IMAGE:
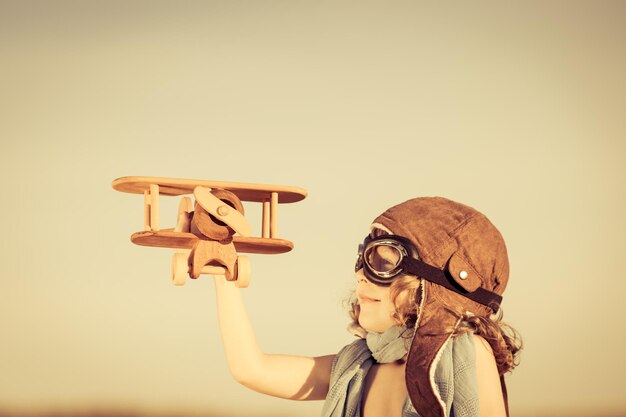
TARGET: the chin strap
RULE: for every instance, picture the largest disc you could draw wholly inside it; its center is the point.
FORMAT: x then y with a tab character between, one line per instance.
504	395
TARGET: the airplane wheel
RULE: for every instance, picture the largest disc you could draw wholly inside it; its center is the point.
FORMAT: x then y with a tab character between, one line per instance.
243	272
180	269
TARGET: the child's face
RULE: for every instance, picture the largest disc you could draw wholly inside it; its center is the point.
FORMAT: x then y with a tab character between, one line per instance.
376	308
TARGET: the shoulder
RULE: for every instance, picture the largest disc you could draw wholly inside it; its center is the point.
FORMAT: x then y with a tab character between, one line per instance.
481	344
485	361
488	378
472	346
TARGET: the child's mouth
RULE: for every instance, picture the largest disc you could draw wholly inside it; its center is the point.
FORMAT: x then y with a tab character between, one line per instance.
365	299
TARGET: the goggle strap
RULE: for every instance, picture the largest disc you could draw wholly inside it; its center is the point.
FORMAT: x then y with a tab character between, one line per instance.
443	278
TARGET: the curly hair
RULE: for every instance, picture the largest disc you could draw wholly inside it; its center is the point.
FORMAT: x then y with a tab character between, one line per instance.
406	295
505	341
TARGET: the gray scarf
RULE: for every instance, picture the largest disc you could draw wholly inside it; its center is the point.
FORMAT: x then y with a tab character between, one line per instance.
356	359
455	374
388	346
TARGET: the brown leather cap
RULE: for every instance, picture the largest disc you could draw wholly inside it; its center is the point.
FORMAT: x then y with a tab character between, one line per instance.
455	237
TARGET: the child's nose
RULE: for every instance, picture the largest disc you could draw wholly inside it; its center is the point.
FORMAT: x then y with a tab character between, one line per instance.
360	276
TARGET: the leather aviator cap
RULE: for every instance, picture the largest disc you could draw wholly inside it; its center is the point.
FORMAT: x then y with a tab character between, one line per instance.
461	241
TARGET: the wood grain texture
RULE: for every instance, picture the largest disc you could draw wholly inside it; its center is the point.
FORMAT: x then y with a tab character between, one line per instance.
154	207
265	227
146	210
168	238
203	224
221	208
178	186
274	215
212	253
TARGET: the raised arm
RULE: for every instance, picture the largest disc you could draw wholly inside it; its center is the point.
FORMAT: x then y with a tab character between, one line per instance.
284	376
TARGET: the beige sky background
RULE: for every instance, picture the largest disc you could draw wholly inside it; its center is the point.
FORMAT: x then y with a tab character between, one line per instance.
516	109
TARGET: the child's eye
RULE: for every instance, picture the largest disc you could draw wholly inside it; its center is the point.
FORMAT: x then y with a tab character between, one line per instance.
383	258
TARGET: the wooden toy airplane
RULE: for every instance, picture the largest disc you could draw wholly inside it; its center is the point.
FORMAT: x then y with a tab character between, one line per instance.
209	234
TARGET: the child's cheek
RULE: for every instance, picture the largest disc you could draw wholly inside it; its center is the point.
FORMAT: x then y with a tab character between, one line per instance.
376	317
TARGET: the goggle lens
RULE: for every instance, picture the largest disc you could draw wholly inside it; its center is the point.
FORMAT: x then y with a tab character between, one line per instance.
383	258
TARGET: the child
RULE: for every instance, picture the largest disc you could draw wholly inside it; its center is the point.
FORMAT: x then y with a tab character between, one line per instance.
430	276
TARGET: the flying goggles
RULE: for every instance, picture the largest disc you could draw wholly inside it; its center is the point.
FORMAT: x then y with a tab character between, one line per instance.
387	257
